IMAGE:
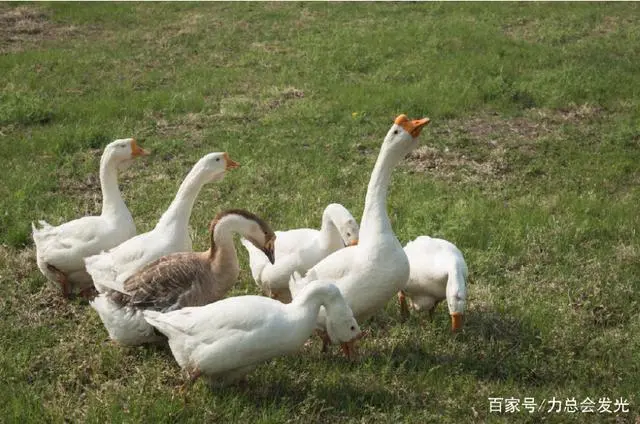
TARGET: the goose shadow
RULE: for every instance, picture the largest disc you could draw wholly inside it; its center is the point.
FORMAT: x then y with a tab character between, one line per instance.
339	397
491	346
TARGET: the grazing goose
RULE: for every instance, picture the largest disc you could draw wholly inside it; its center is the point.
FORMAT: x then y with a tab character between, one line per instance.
371	273
438	271
300	249
60	250
227	339
110	269
181	279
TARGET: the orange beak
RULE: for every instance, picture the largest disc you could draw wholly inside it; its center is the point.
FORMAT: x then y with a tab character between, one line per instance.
353	243
230	163
137	150
412	127
350	348
456	321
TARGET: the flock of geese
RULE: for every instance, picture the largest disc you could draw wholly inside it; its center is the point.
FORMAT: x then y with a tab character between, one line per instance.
152	287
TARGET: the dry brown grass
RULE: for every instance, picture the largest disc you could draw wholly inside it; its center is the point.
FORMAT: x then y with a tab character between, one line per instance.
491	140
26	27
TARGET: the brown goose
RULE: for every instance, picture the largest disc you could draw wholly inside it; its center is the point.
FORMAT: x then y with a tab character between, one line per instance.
182	279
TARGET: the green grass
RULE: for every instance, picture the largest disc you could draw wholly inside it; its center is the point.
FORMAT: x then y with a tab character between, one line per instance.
530	166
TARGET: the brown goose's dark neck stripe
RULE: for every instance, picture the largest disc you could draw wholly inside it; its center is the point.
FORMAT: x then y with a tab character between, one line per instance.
246	214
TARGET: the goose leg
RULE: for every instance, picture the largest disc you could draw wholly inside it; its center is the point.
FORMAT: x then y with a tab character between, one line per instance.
88	293
62	280
326	341
404	309
192	375
432	310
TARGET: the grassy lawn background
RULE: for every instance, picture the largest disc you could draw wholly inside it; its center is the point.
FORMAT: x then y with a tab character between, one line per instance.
530	166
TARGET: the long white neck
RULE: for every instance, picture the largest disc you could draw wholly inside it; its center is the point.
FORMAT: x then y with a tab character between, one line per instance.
456	289
179	211
329	238
375	220
307	303
112	202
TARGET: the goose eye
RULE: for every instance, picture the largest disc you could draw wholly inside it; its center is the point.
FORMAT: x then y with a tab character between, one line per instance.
348	234
217	159
395	131
353	328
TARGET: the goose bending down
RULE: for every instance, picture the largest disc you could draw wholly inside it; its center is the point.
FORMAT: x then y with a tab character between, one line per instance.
371	273
300	249
227	339
438	271
110	269
60	250
181	279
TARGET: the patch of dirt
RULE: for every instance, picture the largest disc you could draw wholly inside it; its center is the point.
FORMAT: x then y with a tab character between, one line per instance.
26	26
480	147
448	163
283	96
611	24
530	29
523	29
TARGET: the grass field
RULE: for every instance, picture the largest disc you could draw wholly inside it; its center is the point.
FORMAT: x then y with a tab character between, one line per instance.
531	166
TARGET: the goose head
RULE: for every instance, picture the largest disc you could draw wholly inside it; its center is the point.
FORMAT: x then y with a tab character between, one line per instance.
457	304
213	166
349	231
341	326
345	223
248	225
402	137
123	151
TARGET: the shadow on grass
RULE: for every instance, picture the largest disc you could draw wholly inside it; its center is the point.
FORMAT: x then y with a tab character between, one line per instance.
314	396
491	346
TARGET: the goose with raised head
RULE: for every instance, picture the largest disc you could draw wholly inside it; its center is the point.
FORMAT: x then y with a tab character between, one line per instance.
225	340
60	250
181	279
111	268
300	249
438	272
371	273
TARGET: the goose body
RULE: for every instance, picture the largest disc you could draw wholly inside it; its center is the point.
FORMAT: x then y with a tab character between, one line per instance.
227	339
300	249
181	279
60	250
111	268
371	273
438	272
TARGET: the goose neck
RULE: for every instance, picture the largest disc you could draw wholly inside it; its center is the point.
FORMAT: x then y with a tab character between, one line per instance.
179	211
112	202
222	248
374	217
328	232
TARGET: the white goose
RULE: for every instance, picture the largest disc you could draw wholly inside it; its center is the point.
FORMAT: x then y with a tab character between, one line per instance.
300	249
438	271
227	339
371	273
181	279
60	250
338	229
110	269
